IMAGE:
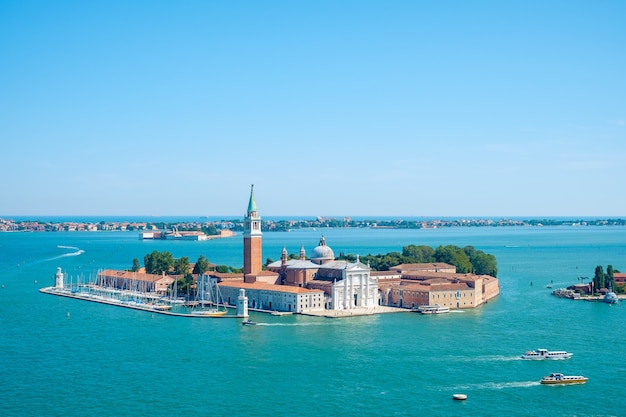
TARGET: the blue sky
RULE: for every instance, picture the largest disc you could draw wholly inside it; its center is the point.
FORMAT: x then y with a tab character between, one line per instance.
331	108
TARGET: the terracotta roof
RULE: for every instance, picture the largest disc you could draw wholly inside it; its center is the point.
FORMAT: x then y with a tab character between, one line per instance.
268	287
319	282
229	276
265	274
137	276
423	275
423	266
384	273
419	286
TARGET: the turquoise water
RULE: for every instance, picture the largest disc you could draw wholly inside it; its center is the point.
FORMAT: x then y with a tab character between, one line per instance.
64	357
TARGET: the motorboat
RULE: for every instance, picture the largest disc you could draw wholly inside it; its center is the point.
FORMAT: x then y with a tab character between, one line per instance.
611	298
432	309
459	397
248	323
541	354
560	379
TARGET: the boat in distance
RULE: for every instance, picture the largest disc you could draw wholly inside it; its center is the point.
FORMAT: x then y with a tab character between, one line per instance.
431	309
611	298
560	379
248	323
541	354
209	313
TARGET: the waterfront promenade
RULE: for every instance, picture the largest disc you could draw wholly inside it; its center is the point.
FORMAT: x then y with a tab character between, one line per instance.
356	311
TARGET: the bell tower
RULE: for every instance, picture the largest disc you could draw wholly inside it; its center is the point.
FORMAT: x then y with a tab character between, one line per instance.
252	241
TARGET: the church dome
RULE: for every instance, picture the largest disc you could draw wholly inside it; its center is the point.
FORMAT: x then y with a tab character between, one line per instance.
322	253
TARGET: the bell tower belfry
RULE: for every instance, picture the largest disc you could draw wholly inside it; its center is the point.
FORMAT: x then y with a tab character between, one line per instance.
252	241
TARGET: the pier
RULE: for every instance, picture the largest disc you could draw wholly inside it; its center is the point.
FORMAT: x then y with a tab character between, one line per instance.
135	306
355	312
573	295
158	308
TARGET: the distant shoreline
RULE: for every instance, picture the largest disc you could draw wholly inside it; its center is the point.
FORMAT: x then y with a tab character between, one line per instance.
287	225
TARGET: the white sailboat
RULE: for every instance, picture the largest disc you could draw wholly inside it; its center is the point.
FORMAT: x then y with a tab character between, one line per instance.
209	294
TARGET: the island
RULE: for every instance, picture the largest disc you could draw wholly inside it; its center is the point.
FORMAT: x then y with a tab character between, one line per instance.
316	283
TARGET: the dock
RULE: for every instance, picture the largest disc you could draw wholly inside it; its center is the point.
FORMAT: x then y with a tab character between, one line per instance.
158	309
118	303
355	312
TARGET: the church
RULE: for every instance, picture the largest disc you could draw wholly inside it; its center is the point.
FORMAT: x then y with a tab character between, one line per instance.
346	285
329	283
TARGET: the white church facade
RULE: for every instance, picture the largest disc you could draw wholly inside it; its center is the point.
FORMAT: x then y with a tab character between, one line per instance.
346	285
356	288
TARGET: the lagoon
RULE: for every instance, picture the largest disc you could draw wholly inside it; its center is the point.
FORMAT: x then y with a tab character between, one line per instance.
69	357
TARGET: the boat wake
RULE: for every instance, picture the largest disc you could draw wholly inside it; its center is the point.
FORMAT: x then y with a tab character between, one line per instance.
500	385
489	359
292	324
76	252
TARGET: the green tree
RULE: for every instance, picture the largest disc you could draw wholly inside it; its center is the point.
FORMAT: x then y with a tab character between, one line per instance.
598	278
609	278
182	267
158	262
202	265
454	255
210	230
389	260
136	265
418	254
482	263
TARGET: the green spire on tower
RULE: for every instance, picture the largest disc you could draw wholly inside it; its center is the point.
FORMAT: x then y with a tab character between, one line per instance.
252	203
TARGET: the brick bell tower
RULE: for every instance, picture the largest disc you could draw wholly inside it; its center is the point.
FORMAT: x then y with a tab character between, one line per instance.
252	241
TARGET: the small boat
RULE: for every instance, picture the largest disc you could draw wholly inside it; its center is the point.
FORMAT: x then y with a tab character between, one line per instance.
435	309
560	379
459	397
213	312
161	307
281	313
611	298
248	323
540	354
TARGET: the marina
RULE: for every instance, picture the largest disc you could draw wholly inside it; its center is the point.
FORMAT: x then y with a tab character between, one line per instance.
168	310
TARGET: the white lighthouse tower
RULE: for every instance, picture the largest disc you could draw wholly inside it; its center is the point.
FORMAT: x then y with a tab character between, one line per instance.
58	279
242	304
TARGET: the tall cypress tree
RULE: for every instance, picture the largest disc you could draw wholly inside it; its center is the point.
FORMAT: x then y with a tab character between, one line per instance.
598	278
610	280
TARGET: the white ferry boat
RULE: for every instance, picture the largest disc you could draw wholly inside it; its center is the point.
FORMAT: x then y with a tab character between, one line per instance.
540	354
560	379
435	309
